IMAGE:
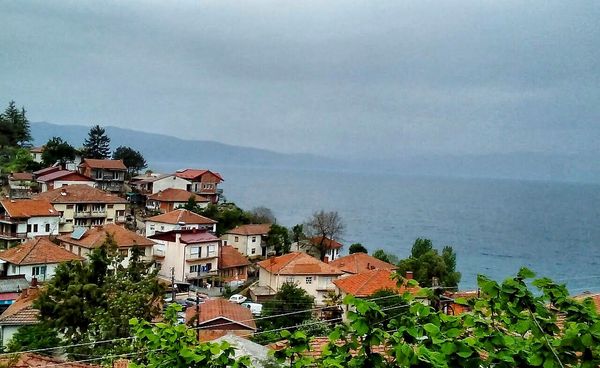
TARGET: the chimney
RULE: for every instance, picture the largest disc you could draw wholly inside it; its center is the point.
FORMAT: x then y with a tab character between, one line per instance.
25	292
34	282
409	275
63	191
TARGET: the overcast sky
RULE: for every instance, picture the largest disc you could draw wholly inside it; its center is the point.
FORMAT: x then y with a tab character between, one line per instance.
342	78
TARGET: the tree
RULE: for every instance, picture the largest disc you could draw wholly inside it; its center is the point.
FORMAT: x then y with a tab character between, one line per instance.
278	238
97	144
262	215
381	255
426	263
132	159
357	248
20	160
57	150
94	300
227	215
290	298
14	126
34	337
322	226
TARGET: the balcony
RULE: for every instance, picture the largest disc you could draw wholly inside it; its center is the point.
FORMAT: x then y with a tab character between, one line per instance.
7	219
90	214
12	236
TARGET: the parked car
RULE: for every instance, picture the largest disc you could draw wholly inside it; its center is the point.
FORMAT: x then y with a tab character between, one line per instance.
191	301
237	298
255	308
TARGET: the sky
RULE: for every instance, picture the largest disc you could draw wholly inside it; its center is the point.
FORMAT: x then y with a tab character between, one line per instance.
354	79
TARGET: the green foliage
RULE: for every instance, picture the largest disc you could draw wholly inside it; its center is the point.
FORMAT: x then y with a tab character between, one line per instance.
97	144
14	127
297	233
34	337
426	263
18	160
324	225
357	248
381	255
94	300
168	344
278	238
132	159
227	215
509	326
57	150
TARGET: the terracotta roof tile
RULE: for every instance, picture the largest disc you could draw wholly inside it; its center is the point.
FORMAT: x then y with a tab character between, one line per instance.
95	236
21	176
231	257
29	360
37	251
317	345
72	176
21	312
192	236
104	164
79	193
182	215
359	262
46	170
176	195
328	243
26	208
251	229
221	309
192	174
298	263
367	283
595	297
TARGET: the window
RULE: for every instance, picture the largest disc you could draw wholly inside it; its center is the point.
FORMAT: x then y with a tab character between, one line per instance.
98	208
289	279
14	269
193	268
152	227
47	228
69	206
110	206
308	280
254	239
123	252
61	214
28	228
80	222
208	267
210	251
97	222
81	208
236	239
253	250
38	270
69	221
35	228
195	251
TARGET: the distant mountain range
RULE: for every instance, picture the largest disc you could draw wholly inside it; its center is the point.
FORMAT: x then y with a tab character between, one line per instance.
166	153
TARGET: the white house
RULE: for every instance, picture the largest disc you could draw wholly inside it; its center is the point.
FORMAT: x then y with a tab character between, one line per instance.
250	240
35	258
22	219
18	314
179	219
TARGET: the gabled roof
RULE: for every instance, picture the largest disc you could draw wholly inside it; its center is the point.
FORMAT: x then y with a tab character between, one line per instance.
96	235
21	176
367	283
39	149
222	309
192	236
73	176
360	262
29	360
26	208
176	195
182	215
103	164
79	193
328	243
192	174
21	312
46	170
298	263
251	229
231	257
37	251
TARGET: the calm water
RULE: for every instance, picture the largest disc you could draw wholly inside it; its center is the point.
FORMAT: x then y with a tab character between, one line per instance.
495	226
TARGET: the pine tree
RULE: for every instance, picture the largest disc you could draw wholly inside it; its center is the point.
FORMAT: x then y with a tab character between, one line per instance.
97	145
14	126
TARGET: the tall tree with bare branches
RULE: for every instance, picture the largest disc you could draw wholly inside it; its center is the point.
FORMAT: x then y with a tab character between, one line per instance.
323	227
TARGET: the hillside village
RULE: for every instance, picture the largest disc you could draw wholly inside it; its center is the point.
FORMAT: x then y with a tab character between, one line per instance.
226	275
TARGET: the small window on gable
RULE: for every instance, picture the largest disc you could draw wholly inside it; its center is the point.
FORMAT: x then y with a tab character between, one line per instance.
308	280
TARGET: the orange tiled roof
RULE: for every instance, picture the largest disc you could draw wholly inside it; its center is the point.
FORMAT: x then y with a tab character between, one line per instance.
317	345
328	243
22	176
221	309
367	283
21	312
594	296
359	262
210	335
298	263
182	215
37	251
79	193
191	174
104	164
95	236
230	257
29	360
25	208
251	229
176	195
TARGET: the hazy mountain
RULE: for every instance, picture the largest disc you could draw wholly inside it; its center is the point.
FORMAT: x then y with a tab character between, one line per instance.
166	153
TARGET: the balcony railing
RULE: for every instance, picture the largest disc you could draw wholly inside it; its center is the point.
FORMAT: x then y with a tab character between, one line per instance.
88	214
12	236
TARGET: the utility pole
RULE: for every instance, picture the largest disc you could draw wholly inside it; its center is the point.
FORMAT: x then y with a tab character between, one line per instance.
198	315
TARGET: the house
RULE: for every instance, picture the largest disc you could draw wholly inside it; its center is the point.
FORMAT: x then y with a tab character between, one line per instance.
233	266
361	262
366	283
10	289
307	272
36	258
217	317
258	354
18	314
250	240
154	183
80	205
170	199
62	178
46	170
21	185
190	256
312	245
109	175
203	182
36	153
21	219
31	360
179	219
82	241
